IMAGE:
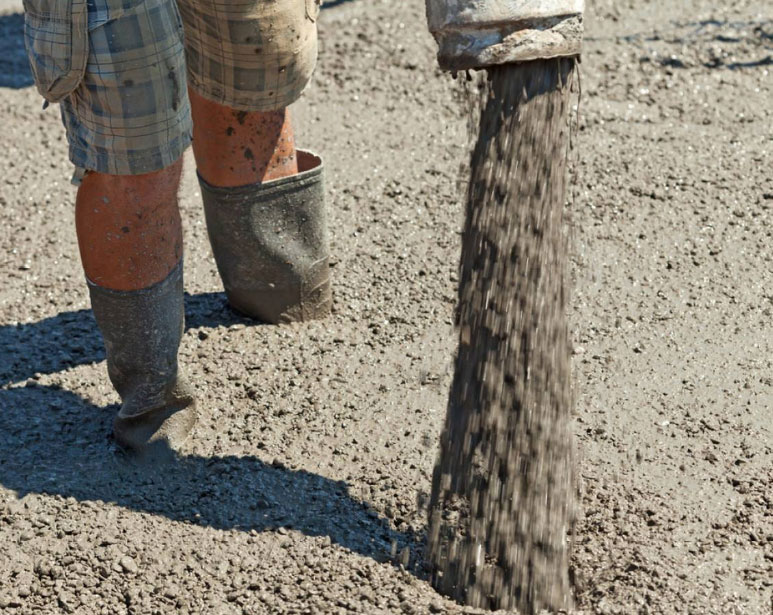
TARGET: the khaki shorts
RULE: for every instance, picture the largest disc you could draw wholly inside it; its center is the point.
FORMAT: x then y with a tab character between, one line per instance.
125	105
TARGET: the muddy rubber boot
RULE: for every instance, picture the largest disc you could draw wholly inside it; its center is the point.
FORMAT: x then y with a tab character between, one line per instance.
270	244
142	330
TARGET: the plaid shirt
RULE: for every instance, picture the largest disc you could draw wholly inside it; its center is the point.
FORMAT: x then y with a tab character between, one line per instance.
56	36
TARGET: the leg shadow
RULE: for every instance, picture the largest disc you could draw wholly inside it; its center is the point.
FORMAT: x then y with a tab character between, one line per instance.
54	442
70	339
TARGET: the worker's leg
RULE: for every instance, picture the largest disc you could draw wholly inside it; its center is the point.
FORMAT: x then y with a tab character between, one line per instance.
236	148
264	200
129	230
128	123
130	241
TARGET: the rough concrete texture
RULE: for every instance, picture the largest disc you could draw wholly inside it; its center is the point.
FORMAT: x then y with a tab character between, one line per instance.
303	488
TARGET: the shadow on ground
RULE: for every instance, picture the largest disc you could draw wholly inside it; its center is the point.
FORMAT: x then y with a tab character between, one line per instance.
54	442
14	68
70	339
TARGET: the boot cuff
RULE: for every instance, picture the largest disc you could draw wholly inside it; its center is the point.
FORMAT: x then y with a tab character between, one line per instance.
310	169
172	280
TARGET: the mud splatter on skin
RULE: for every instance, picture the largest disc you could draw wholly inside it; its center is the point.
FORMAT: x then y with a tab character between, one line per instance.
502	498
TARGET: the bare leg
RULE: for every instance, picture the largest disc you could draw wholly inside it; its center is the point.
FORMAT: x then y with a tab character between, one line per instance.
238	148
129	228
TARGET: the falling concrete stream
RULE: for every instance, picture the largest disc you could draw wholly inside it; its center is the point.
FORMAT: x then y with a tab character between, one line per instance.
502	496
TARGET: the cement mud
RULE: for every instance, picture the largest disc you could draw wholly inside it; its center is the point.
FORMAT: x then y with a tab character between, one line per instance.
316	447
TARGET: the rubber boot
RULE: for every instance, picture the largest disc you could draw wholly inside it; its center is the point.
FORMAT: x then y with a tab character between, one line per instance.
270	243
142	330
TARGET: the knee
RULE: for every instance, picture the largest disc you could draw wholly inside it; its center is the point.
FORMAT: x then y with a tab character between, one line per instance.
129	228
128	191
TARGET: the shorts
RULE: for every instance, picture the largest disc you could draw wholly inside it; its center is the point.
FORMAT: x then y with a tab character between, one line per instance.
127	111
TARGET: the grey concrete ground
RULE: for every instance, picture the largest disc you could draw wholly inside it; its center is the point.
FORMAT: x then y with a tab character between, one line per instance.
303	488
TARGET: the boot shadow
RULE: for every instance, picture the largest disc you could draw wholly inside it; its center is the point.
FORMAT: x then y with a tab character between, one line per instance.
56	443
70	339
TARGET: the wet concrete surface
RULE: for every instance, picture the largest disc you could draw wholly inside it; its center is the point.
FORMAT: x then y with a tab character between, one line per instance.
304	487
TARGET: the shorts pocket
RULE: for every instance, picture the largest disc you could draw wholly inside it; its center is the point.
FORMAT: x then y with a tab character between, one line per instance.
57	41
